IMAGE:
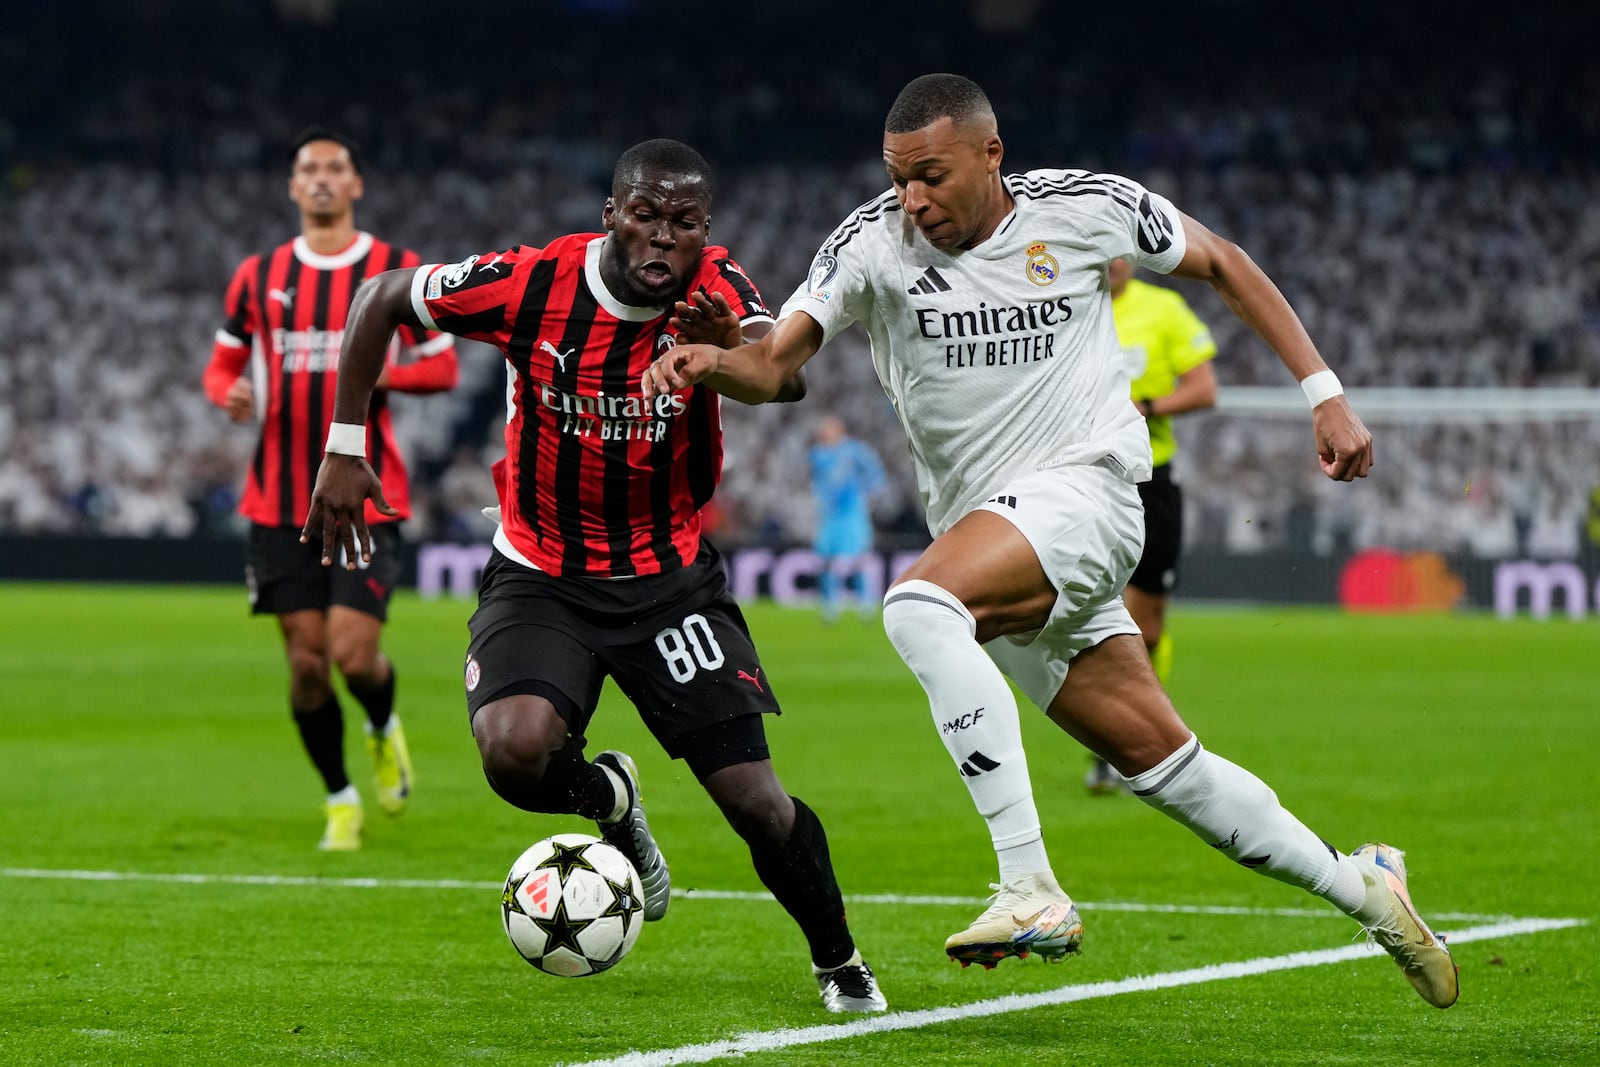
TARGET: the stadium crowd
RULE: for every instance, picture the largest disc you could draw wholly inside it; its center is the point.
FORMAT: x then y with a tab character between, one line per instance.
1433	229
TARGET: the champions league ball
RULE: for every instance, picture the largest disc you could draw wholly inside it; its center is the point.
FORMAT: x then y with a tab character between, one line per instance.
572	905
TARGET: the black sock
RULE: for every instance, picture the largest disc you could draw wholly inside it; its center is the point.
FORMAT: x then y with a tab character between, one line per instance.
376	700
799	874
570	785
322	732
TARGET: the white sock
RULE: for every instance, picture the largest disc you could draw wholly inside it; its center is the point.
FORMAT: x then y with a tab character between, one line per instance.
1349	891
347	795
1234	812
1018	843
855	960
621	807
388	727
975	714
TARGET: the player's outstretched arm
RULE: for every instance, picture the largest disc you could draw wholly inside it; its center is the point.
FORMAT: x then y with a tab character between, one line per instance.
708	319
752	373
345	481
1344	446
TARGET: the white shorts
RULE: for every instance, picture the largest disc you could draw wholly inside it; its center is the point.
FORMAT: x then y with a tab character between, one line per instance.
1086	525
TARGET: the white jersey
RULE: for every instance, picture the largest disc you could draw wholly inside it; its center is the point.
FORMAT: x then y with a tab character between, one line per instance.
999	359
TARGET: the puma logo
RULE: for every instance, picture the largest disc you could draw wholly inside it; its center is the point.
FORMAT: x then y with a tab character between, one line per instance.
745	676
492	264
282	296
558	356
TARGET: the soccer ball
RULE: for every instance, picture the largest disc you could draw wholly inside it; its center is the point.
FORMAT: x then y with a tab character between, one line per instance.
572	905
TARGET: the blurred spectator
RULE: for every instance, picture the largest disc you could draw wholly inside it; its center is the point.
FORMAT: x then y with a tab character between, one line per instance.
1557	529
1491	525
465	489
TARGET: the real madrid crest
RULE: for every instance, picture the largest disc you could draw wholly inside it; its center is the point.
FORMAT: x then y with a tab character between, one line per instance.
1041	267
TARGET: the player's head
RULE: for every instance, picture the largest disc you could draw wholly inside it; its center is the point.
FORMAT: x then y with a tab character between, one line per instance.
657	219
830	430
942	150
324	174
1118	271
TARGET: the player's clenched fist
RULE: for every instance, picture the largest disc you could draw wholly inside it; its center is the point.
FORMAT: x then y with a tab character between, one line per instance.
1344	445
240	400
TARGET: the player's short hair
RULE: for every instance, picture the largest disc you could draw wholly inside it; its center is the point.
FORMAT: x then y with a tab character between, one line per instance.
660	156
928	99
324	133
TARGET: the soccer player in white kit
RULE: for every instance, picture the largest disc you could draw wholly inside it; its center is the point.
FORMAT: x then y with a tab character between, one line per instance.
985	297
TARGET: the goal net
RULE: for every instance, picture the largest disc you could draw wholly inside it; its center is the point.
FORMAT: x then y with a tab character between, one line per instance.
1483	498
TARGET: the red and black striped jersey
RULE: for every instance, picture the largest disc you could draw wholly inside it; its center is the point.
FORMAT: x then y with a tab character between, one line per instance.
286	313
596	482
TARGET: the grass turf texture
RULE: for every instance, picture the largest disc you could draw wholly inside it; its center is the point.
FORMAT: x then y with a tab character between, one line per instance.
146	730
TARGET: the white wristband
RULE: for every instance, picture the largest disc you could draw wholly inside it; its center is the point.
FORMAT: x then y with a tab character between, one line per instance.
1321	386
347	439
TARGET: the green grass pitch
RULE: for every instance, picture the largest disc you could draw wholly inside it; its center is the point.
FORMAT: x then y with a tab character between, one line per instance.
145	731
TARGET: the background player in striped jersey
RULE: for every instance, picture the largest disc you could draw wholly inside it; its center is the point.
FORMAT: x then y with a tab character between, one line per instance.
1167	352
599	565
275	361
1006	373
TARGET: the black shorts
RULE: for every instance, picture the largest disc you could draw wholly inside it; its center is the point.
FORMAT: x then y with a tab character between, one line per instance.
283	575
1157	572
676	644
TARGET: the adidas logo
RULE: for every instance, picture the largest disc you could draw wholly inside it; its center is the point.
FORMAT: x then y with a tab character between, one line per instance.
1008	501
930	282
976	764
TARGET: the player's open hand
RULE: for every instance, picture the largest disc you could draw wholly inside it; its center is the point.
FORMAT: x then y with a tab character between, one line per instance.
1344	446
678	368
706	319
339	508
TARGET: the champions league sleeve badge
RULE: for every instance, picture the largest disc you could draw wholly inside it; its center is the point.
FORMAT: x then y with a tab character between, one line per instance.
452	276
823	270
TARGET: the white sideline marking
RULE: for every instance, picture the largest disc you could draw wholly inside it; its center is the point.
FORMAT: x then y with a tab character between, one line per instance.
1097	905
244	879
687	894
771	1040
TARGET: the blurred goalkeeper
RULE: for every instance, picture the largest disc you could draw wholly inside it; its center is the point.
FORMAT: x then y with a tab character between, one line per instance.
845	472
599	566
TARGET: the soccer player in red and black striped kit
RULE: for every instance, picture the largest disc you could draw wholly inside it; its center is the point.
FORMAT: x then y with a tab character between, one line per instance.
275	361
600	567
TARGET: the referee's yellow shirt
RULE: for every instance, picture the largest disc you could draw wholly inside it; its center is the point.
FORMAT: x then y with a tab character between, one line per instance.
1161	338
